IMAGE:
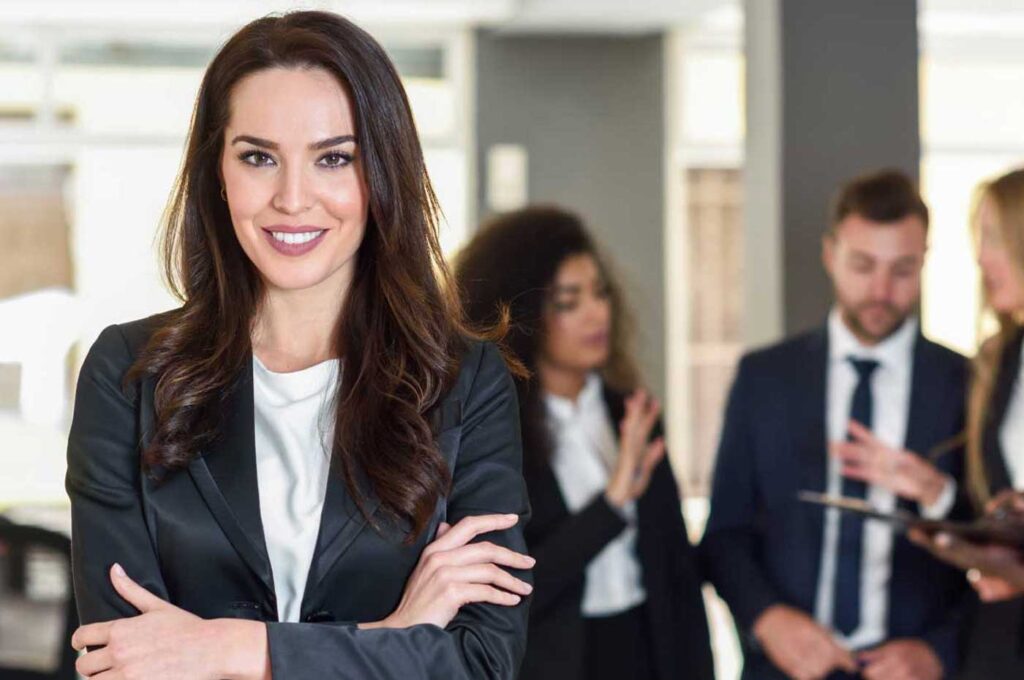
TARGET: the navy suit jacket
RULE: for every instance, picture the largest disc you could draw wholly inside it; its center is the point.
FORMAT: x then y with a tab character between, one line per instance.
763	547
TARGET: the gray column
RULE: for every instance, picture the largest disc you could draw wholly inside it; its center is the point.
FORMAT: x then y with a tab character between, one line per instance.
832	92
589	113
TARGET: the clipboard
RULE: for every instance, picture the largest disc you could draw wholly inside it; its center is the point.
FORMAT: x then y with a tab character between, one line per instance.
1006	530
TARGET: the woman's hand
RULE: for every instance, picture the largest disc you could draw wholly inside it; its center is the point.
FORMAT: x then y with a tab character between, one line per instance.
869	459
452	572
165	642
996	572
637	455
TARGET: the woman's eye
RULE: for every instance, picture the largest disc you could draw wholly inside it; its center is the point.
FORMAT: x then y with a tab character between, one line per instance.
564	305
257	158
335	160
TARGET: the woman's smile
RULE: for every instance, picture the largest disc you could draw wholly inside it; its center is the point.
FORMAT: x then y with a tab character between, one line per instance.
293	241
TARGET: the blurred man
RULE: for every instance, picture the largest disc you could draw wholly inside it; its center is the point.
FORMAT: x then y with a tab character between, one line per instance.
844	409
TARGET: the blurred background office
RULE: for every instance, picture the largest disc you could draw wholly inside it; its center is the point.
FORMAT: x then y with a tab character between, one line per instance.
700	139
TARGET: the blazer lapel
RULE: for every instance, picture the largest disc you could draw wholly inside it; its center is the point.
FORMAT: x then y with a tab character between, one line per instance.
807	415
925	388
806	423
225	474
341	521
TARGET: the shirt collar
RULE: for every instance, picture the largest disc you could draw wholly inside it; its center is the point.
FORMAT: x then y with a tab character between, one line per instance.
894	352
564	409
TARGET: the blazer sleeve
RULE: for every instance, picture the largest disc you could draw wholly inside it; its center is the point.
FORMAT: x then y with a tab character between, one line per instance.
730	544
564	552
103	482
483	641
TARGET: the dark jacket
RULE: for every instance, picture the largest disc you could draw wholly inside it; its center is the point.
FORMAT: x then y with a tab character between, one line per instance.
196	538
564	544
763	547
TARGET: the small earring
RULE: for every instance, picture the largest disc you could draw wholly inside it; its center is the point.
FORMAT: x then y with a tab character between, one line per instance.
223	195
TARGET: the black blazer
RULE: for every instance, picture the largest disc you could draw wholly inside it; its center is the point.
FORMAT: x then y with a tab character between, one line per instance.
763	547
564	544
196	538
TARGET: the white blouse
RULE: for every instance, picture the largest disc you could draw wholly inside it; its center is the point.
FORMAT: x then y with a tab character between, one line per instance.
1011	432
294	430
585	450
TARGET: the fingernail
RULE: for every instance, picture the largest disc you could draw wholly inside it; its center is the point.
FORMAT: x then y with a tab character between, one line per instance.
943	540
119	571
512	516
529	560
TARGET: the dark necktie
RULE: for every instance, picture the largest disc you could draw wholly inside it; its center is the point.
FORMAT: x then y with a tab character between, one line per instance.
846	614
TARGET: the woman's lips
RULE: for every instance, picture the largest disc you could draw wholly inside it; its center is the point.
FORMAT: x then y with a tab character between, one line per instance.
294	249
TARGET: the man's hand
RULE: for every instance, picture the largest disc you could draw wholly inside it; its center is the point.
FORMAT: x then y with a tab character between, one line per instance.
799	646
901	660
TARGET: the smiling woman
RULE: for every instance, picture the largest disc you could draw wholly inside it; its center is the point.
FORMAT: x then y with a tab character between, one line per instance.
314	437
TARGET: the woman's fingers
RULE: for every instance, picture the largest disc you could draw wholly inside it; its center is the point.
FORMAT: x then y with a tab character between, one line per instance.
442	529
1007	501
468	528
862	434
91	635
94	662
133	593
485	552
487	574
477	592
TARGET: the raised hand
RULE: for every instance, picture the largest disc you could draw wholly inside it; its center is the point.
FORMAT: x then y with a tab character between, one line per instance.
906	474
637	455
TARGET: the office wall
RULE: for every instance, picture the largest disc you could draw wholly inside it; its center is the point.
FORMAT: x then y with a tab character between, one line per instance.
589	113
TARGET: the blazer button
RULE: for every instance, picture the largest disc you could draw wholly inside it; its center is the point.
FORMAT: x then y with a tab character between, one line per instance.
322	616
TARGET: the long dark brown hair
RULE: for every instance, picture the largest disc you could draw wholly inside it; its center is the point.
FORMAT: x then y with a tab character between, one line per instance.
1006	194
400	328
508	268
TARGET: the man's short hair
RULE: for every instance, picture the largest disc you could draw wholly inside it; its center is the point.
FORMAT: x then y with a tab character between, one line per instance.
882	196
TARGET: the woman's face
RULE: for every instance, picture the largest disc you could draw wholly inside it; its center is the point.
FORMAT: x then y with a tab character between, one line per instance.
577	317
293	179
1003	280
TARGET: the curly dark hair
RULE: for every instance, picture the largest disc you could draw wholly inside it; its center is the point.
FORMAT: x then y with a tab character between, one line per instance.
400	328
506	271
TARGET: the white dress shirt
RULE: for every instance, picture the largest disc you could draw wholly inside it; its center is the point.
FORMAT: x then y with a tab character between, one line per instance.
890	391
294	430
1011	432
586	447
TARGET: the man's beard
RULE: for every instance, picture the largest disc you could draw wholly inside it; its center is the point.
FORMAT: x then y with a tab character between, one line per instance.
852	317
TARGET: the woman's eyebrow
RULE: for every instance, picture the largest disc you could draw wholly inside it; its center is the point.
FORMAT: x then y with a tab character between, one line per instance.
315	146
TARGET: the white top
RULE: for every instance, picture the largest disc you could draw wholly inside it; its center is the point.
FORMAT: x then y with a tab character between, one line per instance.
585	451
1011	432
294	430
890	391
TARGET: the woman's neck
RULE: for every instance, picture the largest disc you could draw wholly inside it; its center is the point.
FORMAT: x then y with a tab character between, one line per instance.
296	328
561	382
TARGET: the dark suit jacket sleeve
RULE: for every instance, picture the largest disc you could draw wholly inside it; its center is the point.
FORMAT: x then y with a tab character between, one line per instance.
483	640
103	482
730	544
565	551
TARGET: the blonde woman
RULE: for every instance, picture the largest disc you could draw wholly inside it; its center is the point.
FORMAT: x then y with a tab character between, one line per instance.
995	430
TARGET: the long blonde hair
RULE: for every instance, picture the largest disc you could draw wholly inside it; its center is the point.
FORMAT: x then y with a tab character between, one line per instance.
1006	196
